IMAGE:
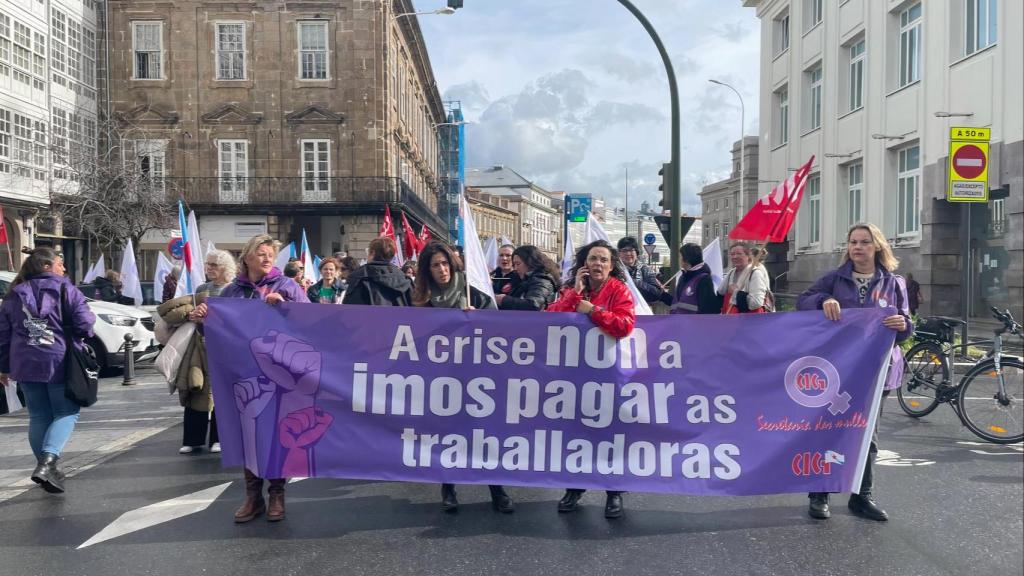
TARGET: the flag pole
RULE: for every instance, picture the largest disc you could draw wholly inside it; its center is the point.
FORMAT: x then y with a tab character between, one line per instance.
10	258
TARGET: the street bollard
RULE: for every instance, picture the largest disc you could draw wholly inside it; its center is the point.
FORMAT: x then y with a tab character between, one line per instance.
129	361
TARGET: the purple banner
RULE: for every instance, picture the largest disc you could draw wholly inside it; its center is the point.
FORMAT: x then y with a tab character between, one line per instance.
746	404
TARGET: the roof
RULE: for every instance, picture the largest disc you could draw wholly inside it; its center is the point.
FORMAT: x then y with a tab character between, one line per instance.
495	176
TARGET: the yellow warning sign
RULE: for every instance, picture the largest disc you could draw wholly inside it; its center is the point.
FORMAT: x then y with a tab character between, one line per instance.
972	134
968	165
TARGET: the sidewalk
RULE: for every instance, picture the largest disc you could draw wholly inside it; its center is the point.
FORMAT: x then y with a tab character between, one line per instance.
123	417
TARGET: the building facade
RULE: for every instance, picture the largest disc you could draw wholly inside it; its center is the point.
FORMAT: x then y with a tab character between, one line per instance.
721	206
871	89
540	223
493	216
48	114
280	117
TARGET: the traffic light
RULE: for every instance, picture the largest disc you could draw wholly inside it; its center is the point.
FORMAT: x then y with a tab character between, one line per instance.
455	4
667	177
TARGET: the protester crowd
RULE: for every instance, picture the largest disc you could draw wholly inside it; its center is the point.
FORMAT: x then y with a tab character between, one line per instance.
45	313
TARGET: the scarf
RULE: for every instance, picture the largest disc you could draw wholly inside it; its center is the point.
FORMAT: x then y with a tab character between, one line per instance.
450	295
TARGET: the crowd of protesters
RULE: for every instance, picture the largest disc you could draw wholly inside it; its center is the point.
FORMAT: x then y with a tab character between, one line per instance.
32	336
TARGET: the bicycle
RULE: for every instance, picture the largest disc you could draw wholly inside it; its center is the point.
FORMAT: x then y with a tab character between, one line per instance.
989	398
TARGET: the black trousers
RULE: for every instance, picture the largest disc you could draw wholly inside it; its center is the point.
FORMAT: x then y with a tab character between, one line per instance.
867	482
197	424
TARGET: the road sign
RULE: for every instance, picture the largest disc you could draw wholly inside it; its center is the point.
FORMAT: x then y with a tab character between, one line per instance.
176	247
968	165
649	239
663	222
578	207
650	248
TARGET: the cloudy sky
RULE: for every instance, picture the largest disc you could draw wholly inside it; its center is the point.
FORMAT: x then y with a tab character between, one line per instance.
570	93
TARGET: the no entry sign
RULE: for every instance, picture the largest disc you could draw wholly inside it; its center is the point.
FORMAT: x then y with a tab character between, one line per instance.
968	165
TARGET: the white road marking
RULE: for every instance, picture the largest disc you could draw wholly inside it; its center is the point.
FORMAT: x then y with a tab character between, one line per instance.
890	458
996	449
154	514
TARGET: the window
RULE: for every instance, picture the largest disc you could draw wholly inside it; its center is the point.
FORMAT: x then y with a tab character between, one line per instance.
725	229
782	115
857	55
148	48
814	9
145	162
316	170
814	93
725	202
230	51
908	189
910	45
233	167
855	192
5	133
980	20
814	209
313	50
716	205
781	33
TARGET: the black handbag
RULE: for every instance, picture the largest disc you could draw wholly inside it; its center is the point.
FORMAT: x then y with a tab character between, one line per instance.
81	372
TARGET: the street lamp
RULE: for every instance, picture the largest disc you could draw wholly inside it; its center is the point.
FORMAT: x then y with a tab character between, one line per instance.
443	11
743	143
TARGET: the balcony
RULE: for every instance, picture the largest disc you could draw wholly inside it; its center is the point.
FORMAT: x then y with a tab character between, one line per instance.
334	195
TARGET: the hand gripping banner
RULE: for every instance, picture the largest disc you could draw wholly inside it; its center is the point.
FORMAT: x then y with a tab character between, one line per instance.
744	404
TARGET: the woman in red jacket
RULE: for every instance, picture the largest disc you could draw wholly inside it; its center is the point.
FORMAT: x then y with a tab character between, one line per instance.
599	290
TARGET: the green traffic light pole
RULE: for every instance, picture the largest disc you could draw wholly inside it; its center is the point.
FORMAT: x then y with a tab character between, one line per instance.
675	212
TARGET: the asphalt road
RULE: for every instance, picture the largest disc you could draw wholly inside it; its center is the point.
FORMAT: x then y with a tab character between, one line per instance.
956	508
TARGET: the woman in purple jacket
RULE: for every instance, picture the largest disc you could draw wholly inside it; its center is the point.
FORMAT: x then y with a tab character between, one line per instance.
32	346
258	278
864	279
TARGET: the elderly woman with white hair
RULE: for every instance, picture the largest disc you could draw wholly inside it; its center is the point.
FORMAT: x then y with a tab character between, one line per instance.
193	378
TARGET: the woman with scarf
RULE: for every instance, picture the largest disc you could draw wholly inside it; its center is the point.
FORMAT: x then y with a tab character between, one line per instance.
259	279
441	283
598	289
864	279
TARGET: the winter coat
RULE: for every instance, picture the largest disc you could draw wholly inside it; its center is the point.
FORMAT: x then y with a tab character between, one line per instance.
535	292
646	280
193	380
707	301
273	282
378	284
34	351
885	290
106	290
314	292
614	311
752	291
502	282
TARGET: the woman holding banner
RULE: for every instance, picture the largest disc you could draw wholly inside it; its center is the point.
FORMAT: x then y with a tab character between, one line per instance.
598	289
258	278
441	283
537	285
746	283
864	279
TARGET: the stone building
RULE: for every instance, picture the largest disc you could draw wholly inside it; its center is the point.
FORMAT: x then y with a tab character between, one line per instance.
540	222
280	116
493	216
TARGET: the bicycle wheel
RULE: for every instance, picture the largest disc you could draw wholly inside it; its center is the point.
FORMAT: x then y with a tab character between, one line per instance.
924	371
981	409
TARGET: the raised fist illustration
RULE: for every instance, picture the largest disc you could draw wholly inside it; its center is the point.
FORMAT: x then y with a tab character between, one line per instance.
252	395
290	363
304	427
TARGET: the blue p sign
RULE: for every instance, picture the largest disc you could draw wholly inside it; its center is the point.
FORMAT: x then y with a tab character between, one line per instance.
578	208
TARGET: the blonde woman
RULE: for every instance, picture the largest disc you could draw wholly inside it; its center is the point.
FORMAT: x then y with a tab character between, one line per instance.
746	283
865	279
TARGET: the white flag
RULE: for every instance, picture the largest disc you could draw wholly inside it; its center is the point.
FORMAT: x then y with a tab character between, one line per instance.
596	232
131	286
491	253
284	255
713	260
477	273
309	272
568	258
210	247
198	258
163	269
505	242
98	269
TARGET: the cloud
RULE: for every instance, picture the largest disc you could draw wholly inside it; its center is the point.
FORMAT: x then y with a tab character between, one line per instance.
472	95
622	67
734	31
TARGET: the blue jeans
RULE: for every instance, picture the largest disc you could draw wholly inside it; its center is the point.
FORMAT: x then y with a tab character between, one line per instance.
51	417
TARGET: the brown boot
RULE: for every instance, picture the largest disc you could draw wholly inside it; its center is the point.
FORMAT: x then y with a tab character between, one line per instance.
275	510
254	504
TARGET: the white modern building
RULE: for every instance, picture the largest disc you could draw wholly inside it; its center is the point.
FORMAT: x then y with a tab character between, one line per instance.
871	88
47	112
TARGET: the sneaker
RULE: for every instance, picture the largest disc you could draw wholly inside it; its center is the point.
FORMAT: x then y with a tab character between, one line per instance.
187	449
215	448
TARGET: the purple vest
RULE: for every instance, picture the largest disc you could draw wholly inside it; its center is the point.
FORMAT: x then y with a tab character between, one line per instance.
686	301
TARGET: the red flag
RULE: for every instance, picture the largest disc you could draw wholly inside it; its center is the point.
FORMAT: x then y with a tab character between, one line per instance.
410	244
424	237
771	217
387	228
3	227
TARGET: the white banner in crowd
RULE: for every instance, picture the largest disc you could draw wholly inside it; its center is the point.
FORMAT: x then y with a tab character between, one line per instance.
596	232
131	285
98	270
477	273
284	255
713	260
568	257
196	247
491	253
163	269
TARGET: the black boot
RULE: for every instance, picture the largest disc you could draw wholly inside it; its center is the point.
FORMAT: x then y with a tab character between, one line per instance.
818	508
571	500
613	505
47	475
449	502
865	507
501	501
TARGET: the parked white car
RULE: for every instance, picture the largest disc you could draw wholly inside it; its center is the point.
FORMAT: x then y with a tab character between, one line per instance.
113	322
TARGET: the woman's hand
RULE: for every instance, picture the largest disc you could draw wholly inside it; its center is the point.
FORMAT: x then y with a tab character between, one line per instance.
584	307
498	298
831	309
468	308
274	298
198	313
581	280
895	322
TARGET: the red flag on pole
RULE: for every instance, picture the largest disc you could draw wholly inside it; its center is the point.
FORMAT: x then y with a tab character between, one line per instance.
424	237
387	228
411	245
3	227
771	217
